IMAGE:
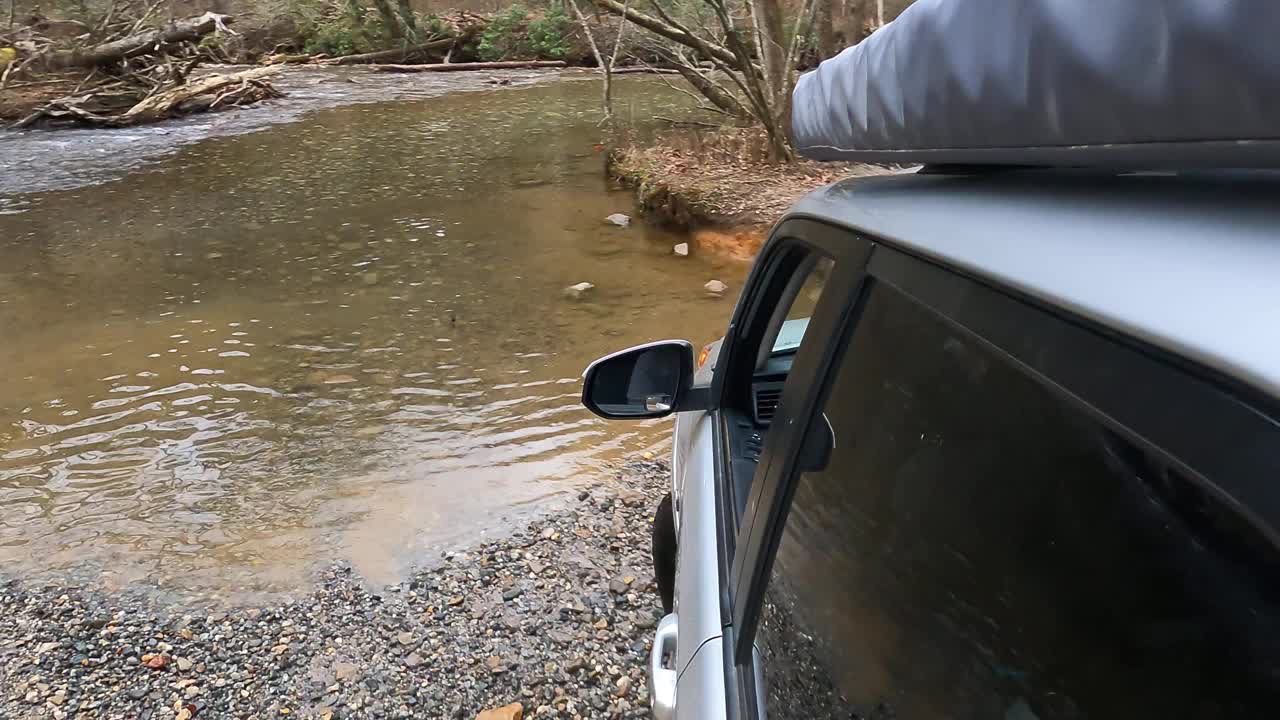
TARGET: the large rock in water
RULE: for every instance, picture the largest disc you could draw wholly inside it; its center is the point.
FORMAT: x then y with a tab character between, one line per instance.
575	292
514	711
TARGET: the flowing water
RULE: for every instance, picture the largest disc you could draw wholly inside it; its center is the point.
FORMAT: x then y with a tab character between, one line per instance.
229	356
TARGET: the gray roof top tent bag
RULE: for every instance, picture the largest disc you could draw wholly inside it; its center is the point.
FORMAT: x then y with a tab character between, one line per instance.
1107	83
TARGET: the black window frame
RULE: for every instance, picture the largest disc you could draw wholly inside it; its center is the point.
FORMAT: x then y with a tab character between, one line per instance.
789	243
850	253
1162	403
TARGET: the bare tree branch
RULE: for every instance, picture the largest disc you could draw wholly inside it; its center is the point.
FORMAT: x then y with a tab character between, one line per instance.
674	34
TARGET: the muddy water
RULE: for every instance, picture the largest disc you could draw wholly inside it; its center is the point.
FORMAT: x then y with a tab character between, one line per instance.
337	338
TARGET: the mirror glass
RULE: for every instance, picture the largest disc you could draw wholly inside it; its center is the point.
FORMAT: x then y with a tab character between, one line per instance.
642	382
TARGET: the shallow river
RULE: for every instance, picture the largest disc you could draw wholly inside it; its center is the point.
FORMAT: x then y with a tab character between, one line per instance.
245	344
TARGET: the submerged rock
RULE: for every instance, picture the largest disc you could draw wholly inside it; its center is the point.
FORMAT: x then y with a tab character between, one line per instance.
618	219
575	292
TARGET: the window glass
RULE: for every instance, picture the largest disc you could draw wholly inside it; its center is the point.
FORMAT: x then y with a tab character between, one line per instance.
801	309
979	548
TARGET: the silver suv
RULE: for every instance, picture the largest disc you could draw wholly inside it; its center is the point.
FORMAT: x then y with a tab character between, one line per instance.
984	444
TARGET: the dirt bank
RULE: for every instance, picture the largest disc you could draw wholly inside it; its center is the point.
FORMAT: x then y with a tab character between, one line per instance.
557	618
718	186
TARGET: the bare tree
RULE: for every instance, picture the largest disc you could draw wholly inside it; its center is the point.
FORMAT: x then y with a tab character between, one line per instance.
606	64
760	67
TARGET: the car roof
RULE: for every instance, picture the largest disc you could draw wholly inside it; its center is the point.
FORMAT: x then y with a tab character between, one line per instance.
1187	262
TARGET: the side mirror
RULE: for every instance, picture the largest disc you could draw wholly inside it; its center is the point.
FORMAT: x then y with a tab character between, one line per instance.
646	381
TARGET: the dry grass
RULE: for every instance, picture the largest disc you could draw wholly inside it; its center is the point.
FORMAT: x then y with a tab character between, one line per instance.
720	177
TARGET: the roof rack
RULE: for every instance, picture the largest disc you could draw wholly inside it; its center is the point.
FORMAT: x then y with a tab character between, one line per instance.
1135	84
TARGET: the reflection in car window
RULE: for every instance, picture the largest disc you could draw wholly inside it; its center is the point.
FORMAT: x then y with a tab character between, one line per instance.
979	548
801	309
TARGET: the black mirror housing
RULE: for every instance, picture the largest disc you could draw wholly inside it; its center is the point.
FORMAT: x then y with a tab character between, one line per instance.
645	381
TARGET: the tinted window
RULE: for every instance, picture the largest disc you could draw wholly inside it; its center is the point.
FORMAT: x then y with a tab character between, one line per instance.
979	547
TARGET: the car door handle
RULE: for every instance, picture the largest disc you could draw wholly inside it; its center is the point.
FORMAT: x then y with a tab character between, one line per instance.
662	680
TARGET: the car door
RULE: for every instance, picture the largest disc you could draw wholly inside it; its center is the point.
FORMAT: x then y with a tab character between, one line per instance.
796	290
1022	515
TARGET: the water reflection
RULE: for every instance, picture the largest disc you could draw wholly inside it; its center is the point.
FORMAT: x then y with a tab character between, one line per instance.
338	338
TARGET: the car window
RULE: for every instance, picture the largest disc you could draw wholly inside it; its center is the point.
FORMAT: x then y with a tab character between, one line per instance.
801	308
979	547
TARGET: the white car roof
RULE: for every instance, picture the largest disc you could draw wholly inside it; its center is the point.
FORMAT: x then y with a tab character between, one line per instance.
1187	262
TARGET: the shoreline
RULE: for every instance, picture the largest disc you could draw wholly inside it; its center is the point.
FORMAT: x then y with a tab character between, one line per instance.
557	616
717	187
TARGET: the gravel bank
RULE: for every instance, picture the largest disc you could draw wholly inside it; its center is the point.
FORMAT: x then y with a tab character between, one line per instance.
557	617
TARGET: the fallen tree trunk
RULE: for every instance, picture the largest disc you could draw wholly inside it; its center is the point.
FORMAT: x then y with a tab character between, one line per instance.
287	59
161	105
397	54
143	43
647	70
457	67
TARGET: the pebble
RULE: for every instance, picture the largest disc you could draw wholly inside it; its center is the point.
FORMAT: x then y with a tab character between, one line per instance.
618	219
682	249
715	288
501	624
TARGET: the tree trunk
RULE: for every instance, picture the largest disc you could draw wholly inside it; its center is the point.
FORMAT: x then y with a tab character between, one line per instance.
394	55
709	90
143	43
391	22
605	66
455	67
767	18
767	15
406	17
826	29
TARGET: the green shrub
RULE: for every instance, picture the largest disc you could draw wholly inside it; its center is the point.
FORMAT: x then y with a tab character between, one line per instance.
514	34
549	36
434	26
336	27
501	36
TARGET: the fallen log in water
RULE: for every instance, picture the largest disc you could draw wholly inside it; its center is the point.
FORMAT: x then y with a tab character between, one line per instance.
161	105
206	93
459	67
289	59
143	43
394	55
